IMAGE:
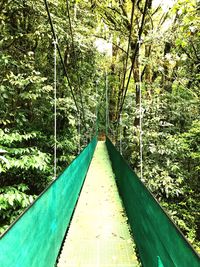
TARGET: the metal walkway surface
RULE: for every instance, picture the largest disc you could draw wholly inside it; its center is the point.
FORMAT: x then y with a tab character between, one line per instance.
99	234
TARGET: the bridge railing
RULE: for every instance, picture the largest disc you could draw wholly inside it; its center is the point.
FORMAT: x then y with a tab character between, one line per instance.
34	240
159	241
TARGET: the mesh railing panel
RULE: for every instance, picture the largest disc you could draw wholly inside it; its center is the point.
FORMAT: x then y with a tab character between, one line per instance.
34	240
158	240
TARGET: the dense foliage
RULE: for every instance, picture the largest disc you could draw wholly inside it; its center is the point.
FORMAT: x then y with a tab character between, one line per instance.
96	44
27	101
169	67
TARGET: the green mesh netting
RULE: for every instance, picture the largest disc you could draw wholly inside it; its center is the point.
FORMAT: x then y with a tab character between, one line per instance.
158	240
35	239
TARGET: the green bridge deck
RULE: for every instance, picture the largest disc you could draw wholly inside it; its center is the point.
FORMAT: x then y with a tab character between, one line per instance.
99	235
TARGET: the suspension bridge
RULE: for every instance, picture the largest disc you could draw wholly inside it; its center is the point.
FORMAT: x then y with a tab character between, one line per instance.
97	213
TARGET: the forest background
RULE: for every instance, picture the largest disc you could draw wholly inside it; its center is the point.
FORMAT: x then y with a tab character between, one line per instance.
100	50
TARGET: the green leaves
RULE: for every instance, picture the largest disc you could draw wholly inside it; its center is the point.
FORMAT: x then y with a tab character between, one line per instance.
27	162
8	139
170	96
27	97
13	199
19	157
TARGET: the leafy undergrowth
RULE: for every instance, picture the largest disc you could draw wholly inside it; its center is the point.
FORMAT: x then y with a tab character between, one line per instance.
13	201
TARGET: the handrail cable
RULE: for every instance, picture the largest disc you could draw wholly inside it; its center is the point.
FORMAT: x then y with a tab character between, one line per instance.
59	52
128	49
76	64
125	69
134	57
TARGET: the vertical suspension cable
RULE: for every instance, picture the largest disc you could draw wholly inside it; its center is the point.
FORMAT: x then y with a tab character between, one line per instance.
76	63
135	54
120	134
61	58
96	130
55	108
140	107
128	50
79	133
107	112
